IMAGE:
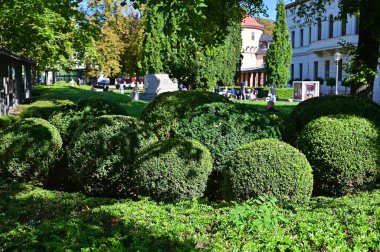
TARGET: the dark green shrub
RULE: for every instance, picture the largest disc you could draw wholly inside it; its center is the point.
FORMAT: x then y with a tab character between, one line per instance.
164	113
28	150
6	121
173	170
102	152
268	167
44	109
321	80
343	151
100	106
281	93
223	128
317	107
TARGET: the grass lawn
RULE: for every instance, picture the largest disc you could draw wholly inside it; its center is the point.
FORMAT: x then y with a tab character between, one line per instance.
46	96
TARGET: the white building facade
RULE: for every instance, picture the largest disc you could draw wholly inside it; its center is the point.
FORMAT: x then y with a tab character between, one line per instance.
254	50
314	46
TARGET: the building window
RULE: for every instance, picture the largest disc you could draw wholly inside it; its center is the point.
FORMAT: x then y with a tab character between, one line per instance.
344	26
301	70
319	29
327	69
331	26
292	71
253	35
340	72
316	70
301	37
293	38
356	25
310	30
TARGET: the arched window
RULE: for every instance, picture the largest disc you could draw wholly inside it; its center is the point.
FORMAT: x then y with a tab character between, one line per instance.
319	29
331	26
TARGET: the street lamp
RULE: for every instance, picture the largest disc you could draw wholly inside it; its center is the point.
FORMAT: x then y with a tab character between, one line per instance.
337	58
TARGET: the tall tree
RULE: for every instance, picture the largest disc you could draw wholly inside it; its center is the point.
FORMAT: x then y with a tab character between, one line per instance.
365	60
47	31
268	25
279	55
167	49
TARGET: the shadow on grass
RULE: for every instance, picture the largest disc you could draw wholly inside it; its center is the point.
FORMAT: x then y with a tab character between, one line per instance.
39	220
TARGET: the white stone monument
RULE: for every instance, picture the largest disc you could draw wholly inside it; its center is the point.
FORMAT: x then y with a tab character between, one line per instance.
155	84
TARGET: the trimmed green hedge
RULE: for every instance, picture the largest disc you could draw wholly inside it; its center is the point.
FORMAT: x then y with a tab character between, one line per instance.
45	108
100	106
268	167
102	153
311	109
281	93
223	128
164	113
6	121
173	170
344	152
28	150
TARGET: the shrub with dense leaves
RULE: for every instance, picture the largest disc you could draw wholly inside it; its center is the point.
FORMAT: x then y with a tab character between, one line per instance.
317	107
343	151
45	108
6	121
173	170
223	128
100	106
102	152
164	113
28	149
268	167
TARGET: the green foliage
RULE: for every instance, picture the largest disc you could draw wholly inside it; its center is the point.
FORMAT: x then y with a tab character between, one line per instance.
330	82
268	24
168	50
28	150
6	121
317	107
102	152
268	167
45	108
39	220
321	80
280	51
344	153
281	93
222	128
257	215
164	113
101	106
173	170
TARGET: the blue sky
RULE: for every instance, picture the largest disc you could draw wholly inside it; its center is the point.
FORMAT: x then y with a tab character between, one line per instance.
271	4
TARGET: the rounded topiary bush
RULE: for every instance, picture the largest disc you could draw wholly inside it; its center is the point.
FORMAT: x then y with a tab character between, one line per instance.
45	108
343	151
102	152
223	128
100	106
268	167
28	149
164	113
317	107
173	170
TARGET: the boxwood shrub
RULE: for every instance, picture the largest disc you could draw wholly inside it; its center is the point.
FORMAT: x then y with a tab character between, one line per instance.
28	149
223	128
6	121
317	107
164	113
102	152
173	170
45	108
281	93
100	106
268	167
343	151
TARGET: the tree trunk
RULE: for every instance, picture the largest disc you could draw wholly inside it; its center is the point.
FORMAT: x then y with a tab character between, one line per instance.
368	46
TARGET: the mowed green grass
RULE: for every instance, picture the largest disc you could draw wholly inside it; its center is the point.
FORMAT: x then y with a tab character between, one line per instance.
45	96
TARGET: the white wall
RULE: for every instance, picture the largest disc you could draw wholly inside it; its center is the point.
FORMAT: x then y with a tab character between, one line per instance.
250	47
